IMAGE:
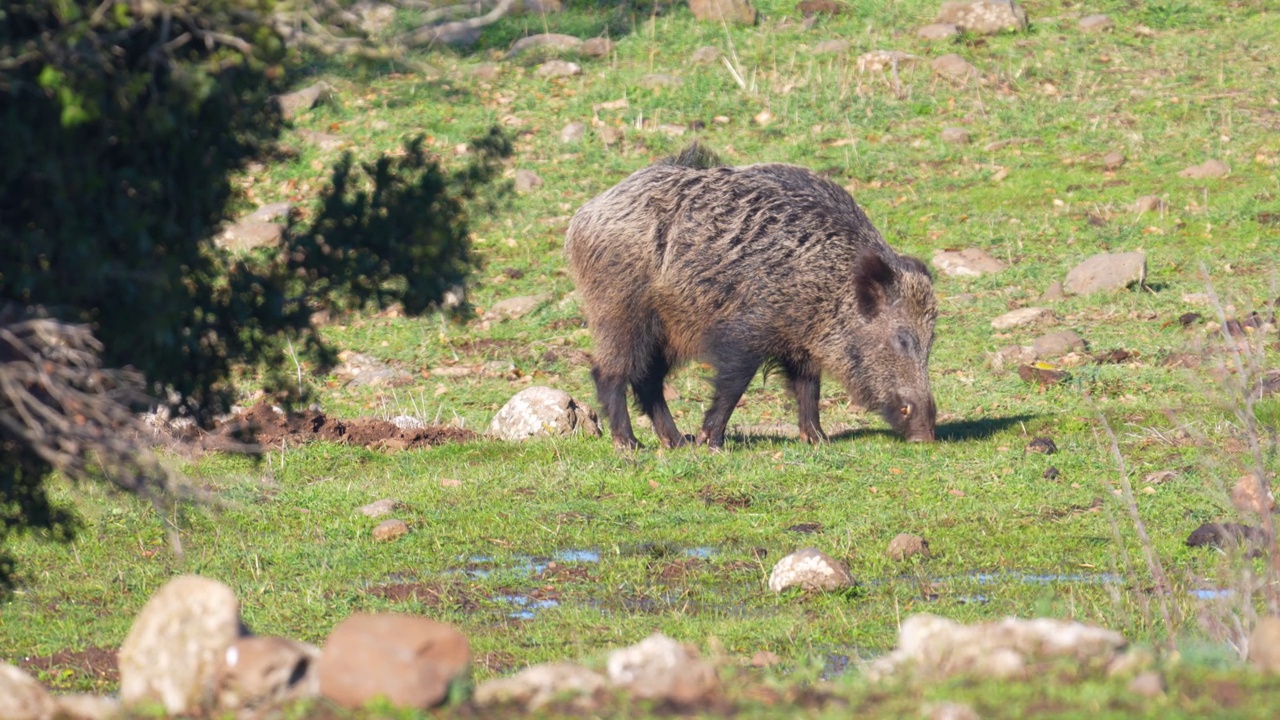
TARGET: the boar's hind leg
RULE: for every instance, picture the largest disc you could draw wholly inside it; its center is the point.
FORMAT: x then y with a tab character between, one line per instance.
611	388
733	374
648	391
807	389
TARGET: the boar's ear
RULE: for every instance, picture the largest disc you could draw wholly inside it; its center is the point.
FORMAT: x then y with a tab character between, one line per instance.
915	265
872	277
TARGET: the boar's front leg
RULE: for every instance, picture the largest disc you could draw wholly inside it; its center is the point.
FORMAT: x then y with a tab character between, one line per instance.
648	390
733	373
807	388
611	389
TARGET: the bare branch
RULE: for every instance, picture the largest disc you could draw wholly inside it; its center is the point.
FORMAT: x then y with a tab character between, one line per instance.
435	33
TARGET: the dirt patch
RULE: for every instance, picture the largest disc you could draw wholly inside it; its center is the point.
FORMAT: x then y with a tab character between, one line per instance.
680	569
565	573
264	425
66	668
428	594
712	495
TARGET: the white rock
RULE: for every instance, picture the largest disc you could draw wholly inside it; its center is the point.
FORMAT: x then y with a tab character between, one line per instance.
1021	317
661	668
21	697
535	686
983	17
809	569
542	412
1107	271
970	262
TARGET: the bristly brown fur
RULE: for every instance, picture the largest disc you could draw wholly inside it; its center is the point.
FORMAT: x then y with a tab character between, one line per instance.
743	265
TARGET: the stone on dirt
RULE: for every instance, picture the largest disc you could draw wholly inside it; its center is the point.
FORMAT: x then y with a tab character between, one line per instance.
388	530
535	686
410	661
735	11
1264	645
659	668
955	67
809	569
935	648
1107	271
1021	317
970	262
1057	344
542	412
906	545
177	644
22	697
544	41
983	17
259	673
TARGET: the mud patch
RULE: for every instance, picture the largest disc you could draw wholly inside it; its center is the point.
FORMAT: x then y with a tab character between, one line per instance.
680	569
430	595
264	425
95	666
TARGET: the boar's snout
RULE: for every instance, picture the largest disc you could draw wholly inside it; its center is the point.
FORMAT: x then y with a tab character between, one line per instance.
915	420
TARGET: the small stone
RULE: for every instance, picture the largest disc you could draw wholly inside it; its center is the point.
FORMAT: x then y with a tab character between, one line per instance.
735	11
954	136
1013	355
486	71
410	661
545	41
970	262
1041	375
1042	445
558	69
955	67
950	711
1021	317
1148	203
299	101
1208	169
251	234
938	31
273	212
535	686
83	707
177	644
1107	271
705	55
1095	23
831	47
527	180
1113	160
1053	293
905	545
378	508
573	132
261	672
360	370
1057	344
1247	498
542	412
653	81
389	530
21	697
598	47
1264	645
882	60
1149	684
984	17
764	659
659	668
809	569
516	307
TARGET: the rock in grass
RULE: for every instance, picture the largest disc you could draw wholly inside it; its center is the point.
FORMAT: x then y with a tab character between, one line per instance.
983	17
1053	293
938	31
515	308
1247	497
1042	445
299	101
1264	645
838	46
378	508
1043	375
1149	684
410	661
809	569
389	530
906	545
659	668
935	648
250	234
573	132
1095	24
542	412
1022	316
954	136
1148	203
177	645
558	69
1209	169
705	55
734	11
970	262
1113	160
527	181
1057	344
535	686
21	697
1107	271
955	67
259	673
544	41
597	47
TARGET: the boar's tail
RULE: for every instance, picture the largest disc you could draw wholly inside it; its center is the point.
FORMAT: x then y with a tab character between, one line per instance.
695	155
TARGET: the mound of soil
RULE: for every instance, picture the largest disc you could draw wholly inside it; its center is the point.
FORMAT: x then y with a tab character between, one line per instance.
264	425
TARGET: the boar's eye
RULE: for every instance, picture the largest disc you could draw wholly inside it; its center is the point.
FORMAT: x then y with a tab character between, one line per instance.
904	342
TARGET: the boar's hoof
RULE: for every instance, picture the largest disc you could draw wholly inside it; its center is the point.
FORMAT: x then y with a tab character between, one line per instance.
814	437
680	441
922	437
626	444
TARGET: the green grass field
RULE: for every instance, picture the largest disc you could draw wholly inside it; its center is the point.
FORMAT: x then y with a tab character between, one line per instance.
682	541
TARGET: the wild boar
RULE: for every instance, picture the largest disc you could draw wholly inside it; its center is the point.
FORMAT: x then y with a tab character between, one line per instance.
742	266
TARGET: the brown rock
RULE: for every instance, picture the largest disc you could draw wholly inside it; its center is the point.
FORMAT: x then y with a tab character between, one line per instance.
378	508
177	644
544	41
527	181
938	31
1095	23
1113	160
984	17
837	46
299	101
906	545
597	47
1208	169
764	658
955	67
738	11
1264	645
1057	344
21	697
1247	498
954	136
1148	203
1041	375
1053	293
1107	271
261	672
250	234
1021	317
410	661
970	262
390	530
557	69
809	569
809	8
